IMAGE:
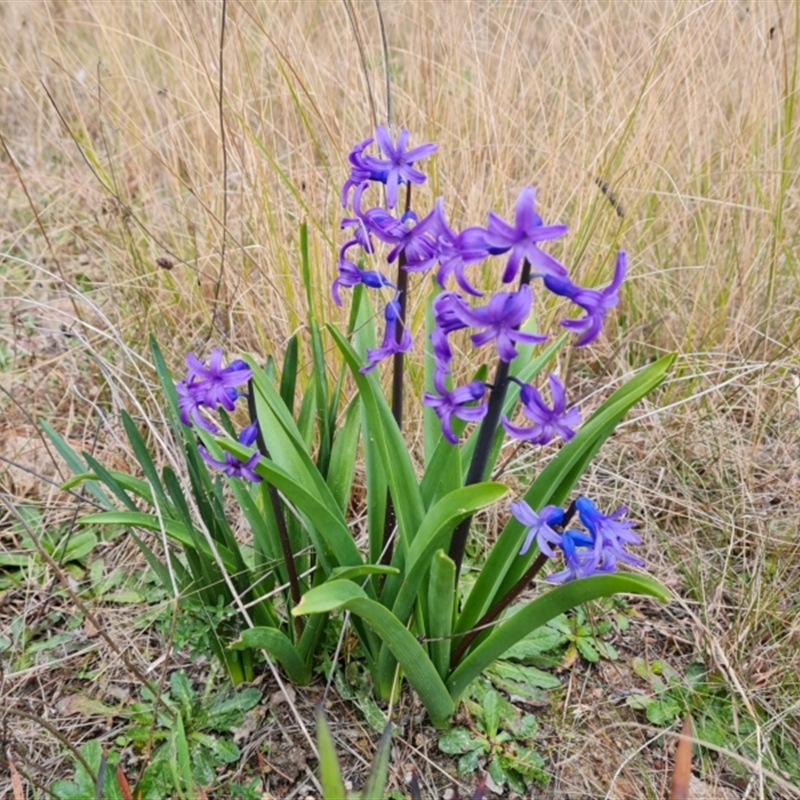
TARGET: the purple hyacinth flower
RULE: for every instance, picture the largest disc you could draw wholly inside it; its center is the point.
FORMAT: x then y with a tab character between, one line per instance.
361	172
399	161
360	235
232	466
190	400
214	384
442	352
447	310
350	275
390	345
547	422
578	555
413	237
539	526
595	302
458	251
454	404
610	535
522	238
500	318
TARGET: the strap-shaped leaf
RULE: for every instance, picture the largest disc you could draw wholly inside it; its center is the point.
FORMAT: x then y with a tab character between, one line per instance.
74	462
278	645
344	456
400	592
440	607
334	540
382	428
174	529
504	566
376	782
535	614
409	653
330	773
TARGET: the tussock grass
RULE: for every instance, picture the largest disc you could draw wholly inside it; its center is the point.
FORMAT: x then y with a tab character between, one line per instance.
121	217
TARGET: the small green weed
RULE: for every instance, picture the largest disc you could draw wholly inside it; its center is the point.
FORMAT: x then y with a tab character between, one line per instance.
499	740
189	734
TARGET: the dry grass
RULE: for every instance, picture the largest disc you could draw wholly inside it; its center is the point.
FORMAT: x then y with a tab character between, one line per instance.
113	159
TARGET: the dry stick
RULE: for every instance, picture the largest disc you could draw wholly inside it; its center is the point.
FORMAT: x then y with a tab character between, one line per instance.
76	754
220	105
277	509
62	579
385	49
351	16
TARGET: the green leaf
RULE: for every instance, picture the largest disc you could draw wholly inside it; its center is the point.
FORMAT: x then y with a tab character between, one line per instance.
344	456
537	613
521	680
441	600
497	773
455	741
289	374
382	427
504	566
74	462
405	648
587	650
145	461
537	642
331	536
376	782
172	528
401	592
360	571
491	713
278	645
330	772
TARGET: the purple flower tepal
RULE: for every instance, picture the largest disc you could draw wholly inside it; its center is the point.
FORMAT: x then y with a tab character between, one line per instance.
231	465
390	344
500	319
610	535
214	384
595	302
576	547
539	526
190	400
361	172
458	251
455	404
399	161
522	238
547	422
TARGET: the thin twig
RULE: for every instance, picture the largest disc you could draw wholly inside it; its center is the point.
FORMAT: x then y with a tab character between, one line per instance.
351	15
221	110
387	76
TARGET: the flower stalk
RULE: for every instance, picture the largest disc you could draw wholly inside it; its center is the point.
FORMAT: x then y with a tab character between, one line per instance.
483	445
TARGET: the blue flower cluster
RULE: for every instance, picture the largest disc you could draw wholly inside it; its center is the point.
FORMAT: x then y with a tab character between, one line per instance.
419	245
594	553
212	386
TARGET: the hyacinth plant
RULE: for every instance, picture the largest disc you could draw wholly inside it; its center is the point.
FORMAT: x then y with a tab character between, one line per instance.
417	613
